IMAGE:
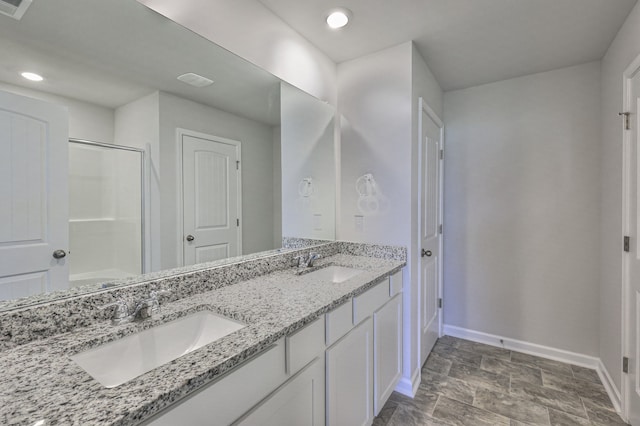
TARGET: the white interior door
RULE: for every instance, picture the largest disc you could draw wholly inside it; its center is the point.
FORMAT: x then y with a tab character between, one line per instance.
632	259
33	197
211	198
430	230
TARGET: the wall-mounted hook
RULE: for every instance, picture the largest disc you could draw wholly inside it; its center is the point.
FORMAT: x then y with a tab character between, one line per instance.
305	187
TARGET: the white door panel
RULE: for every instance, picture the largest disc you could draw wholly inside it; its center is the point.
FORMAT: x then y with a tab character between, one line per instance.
430	236
211	198
34	196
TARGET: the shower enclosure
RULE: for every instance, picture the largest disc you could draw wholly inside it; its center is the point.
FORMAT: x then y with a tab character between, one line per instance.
106	210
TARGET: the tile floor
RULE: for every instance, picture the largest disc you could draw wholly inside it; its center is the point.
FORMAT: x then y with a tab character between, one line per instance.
471	384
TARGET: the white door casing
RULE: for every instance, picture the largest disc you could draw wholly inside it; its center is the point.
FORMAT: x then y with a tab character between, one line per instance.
430	238
211	198
631	228
34	196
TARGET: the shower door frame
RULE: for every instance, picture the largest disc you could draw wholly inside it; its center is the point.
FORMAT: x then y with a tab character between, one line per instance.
143	260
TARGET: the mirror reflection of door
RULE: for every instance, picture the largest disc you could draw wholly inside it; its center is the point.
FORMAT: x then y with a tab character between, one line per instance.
211	195
34	193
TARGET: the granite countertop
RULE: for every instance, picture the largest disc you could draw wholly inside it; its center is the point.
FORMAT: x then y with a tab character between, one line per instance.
41	382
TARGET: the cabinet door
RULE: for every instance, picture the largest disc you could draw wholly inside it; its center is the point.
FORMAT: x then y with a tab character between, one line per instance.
350	378
299	402
387	354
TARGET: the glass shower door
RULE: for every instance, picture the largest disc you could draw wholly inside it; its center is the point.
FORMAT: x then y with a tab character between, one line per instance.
105	212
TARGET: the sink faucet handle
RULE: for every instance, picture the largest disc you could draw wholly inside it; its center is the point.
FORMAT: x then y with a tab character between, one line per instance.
313	256
121	310
298	260
152	304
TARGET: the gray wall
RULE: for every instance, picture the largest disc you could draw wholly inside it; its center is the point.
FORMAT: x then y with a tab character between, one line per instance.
306	148
624	49
522	208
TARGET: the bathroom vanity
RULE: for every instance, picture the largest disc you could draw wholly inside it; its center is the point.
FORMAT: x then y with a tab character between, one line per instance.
318	347
357	346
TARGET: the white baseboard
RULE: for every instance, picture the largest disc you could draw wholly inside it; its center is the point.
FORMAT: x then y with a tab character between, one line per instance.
544	352
610	387
524	347
409	387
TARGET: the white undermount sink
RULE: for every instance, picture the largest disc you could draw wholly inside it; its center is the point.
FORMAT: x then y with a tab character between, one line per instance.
117	362
334	273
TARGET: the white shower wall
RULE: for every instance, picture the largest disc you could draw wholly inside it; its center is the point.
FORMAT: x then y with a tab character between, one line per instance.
104	213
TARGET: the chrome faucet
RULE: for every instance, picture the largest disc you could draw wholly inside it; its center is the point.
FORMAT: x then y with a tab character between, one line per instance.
303	261
149	306
145	308
120	313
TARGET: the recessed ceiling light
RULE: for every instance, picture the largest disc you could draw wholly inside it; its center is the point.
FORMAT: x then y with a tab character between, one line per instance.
195	80
32	76
338	18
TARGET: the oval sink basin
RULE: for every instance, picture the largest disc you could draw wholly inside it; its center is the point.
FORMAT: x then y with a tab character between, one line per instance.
335	274
117	362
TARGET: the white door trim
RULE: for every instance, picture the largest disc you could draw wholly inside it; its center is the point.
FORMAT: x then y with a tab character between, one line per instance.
628	74
424	107
180	132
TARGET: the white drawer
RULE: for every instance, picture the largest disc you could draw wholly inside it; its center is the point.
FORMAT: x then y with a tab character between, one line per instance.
339	322
395	284
369	301
304	345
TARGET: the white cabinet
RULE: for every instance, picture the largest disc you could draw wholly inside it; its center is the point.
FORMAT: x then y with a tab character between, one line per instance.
365	366
297	382
387	354
229	397
350	378
299	402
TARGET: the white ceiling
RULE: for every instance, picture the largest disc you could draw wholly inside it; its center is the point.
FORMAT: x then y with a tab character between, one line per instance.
466	42
112	52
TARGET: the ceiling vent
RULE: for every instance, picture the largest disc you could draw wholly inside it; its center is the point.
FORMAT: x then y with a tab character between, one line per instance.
14	8
194	79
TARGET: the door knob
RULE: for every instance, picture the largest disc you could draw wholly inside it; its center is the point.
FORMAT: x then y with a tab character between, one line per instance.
426	253
190	238
59	254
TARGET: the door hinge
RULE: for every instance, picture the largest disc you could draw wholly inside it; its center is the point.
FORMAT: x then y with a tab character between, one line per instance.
440	303
440	229
238	165
442	154
237	222
627	122
626	243
625	364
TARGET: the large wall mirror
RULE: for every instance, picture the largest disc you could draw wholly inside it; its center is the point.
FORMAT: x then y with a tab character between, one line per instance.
113	167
